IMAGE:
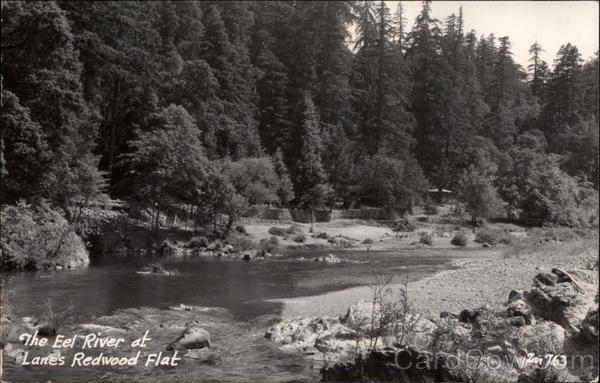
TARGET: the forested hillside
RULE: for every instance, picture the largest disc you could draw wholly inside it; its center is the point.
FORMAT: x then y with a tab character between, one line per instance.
219	105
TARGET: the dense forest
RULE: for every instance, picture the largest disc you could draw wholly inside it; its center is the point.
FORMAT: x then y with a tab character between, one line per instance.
217	105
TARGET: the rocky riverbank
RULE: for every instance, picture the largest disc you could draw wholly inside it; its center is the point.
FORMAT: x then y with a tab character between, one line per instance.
557	316
489	303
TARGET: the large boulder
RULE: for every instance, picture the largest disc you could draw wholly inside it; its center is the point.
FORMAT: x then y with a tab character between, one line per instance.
316	336
329	258
543	338
300	332
193	337
517	309
567	302
360	314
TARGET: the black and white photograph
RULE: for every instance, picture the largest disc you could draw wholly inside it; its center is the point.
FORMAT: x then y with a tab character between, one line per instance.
299	191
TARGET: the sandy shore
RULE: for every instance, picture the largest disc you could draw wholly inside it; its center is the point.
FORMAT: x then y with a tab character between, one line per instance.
481	280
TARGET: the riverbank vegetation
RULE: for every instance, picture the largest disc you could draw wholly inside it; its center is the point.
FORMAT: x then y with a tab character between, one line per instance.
209	108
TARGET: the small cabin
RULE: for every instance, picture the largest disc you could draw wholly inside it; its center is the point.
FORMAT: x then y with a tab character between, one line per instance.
440	195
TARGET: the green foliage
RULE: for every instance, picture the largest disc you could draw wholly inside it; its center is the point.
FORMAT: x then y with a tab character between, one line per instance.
300	238
533	182
168	161
255	179
52	320
38	238
277	231
493	236
460	239
426	239
285	189
285	232
393	183
478	192
404	225
322	235
269	245
311	187
197	241
182	101
241	243
47	118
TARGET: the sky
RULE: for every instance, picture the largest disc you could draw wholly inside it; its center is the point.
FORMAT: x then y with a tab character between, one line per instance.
550	23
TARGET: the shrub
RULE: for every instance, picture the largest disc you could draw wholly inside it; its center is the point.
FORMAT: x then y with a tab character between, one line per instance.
197	241
343	243
155	268
52	320
493	236
460	239
240	229
293	229
404	225
426	239
284	232
300	238
269	245
280	231
322	236
38	238
368	241
241	243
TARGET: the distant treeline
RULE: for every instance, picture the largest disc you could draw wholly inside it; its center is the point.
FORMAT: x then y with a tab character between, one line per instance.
217	105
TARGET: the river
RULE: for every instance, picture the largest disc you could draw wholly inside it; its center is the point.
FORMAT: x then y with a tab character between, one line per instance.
241	288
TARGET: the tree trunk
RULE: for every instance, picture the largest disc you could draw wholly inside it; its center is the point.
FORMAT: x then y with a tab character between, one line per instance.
113	126
312	219
156	220
215	221
230	222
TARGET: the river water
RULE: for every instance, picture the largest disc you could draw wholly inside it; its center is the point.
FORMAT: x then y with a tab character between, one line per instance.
241	288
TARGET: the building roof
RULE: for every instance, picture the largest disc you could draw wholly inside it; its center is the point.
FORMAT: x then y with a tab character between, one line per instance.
438	191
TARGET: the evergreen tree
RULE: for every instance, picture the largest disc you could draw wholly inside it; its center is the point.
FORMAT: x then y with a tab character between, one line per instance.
312	189
538	70
225	49
44	76
285	190
381	87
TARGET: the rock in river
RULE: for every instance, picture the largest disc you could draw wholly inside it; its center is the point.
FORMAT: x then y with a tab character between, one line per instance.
193	337
329	258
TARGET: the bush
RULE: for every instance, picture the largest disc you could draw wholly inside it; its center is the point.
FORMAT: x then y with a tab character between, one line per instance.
368	241
284	232
52	320
197	241
241	243
426	239
270	245
38	238
558	234
300	238
404	226
460	239
493	236
241	229
279	231
322	236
